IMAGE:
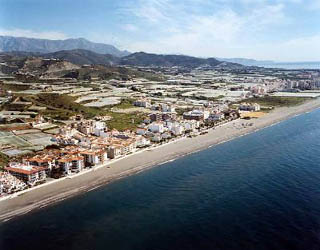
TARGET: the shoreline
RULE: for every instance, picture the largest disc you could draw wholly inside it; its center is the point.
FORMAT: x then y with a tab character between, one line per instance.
55	191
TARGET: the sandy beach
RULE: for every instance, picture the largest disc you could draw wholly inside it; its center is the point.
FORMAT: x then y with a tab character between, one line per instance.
48	194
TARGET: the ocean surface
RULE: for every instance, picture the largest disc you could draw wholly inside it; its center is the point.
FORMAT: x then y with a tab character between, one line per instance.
260	191
302	65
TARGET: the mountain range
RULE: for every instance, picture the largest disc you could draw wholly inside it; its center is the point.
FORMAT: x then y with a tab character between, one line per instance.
81	57
9	43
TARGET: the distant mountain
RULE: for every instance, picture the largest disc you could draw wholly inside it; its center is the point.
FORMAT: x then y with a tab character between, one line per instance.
246	62
81	57
9	43
147	59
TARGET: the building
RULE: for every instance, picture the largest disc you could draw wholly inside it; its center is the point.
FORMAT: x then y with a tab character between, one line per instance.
194	115
141	141
100	129
45	161
191	125
114	151
215	117
141	131
169	116
142	103
249	107
177	129
156	138
31	175
156	117
94	157
71	164
167	108
156	127
10	184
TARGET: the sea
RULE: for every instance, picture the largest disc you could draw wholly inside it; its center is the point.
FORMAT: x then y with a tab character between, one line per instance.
260	192
294	65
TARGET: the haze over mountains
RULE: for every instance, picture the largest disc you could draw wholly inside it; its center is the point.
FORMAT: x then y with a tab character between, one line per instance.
81	51
80	57
9	43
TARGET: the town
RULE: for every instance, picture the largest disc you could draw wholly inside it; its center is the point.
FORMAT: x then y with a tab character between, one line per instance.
57	128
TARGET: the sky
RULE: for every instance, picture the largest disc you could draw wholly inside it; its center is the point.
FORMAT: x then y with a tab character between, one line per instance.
280	30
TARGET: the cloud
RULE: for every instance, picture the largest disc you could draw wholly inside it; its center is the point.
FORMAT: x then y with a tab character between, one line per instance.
54	35
151	10
130	27
209	34
314	5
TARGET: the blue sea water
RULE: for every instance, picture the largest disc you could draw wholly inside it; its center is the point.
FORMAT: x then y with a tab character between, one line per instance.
260	191
302	65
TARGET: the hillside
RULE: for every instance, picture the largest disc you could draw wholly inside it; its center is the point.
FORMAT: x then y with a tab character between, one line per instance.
80	57
48	65
9	43
147	59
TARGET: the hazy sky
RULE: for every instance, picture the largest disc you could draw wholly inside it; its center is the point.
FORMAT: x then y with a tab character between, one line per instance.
283	30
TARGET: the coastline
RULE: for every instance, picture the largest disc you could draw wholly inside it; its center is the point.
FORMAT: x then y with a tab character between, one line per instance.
45	195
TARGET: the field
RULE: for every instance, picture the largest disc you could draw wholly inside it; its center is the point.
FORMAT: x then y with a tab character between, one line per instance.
123	122
14	141
62	107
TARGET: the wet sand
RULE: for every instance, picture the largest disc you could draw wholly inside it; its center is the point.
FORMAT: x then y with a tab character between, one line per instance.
60	190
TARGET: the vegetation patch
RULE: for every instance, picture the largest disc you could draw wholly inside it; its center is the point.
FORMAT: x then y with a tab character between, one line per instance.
123	122
276	101
125	104
15	87
4	160
61	107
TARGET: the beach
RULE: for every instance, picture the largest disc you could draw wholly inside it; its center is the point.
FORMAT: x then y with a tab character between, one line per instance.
62	189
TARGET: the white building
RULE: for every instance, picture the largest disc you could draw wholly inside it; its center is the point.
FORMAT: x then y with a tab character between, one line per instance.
141	131
31	175
156	138
249	107
177	129
156	127
142	103
216	117
167	108
191	125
